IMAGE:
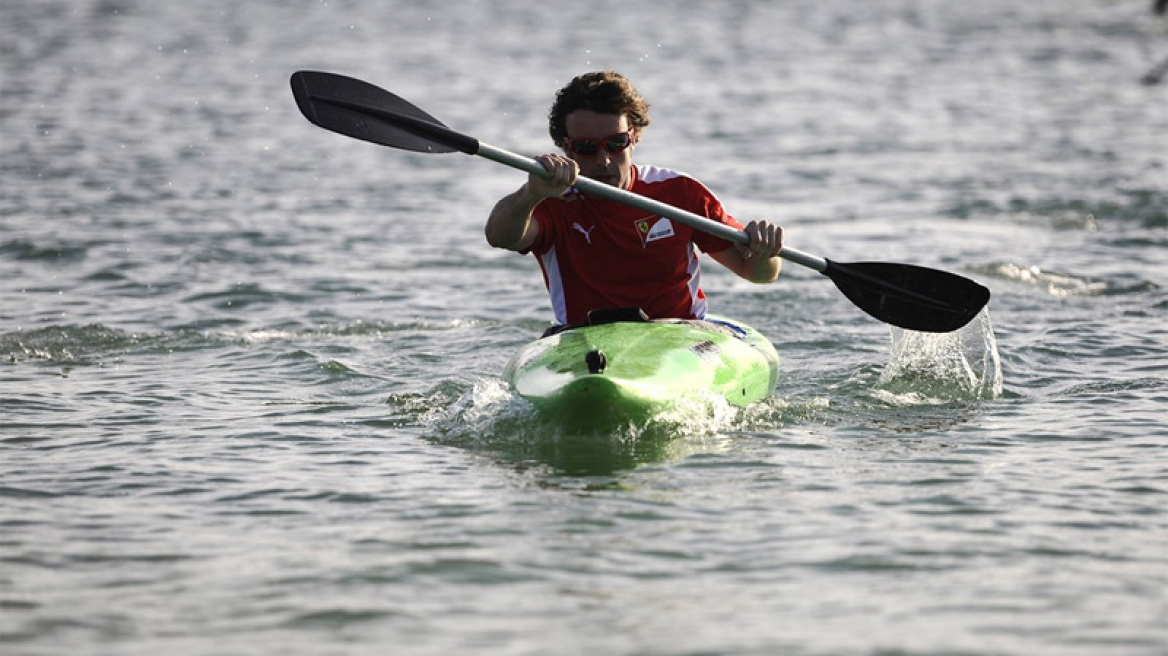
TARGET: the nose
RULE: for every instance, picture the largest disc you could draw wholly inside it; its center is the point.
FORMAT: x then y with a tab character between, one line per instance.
600	159
602	156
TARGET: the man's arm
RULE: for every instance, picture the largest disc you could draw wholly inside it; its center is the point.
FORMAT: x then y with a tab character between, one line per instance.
511	224
758	262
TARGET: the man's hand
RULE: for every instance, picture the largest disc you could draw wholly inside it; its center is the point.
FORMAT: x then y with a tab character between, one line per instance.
563	176
766	240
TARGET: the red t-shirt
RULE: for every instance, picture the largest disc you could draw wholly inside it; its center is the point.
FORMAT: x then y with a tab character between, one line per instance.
601	254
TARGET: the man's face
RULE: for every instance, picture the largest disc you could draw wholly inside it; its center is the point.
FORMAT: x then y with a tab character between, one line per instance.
601	133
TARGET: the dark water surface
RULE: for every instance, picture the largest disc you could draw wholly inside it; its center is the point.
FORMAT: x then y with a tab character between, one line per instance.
250	398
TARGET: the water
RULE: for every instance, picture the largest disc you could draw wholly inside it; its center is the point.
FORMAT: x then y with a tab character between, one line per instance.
249	399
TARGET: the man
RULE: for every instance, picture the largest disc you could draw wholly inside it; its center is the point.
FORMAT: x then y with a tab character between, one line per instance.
599	254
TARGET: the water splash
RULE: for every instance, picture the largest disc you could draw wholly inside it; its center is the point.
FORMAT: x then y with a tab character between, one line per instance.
943	367
490	418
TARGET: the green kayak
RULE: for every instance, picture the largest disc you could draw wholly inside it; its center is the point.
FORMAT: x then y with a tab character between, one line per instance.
613	371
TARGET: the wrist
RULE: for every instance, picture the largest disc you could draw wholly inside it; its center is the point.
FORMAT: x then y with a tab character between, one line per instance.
531	195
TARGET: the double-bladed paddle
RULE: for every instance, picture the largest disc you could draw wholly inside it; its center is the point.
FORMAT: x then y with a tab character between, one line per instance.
904	295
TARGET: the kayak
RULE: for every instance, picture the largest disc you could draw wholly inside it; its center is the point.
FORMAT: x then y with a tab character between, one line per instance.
615	370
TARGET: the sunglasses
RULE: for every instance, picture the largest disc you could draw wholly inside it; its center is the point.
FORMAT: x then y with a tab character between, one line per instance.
611	144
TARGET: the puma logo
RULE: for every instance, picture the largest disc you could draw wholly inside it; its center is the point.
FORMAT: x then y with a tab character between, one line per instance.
587	233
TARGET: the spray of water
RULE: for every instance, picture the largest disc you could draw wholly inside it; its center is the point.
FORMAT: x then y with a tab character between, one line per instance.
943	367
491	419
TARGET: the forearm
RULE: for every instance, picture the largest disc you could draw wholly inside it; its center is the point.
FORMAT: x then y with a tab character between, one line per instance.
511	224
761	269
759	260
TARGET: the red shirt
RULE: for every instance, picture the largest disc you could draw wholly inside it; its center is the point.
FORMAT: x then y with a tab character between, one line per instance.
601	254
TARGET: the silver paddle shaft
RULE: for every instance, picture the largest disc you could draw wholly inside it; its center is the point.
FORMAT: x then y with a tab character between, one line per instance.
601	190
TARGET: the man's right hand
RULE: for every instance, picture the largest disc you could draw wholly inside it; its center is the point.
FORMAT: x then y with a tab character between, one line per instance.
563	175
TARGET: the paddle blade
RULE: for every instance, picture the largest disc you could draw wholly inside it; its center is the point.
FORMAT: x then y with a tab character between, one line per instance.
909	296
363	111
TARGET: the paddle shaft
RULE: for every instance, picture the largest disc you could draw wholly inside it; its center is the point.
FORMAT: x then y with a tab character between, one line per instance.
828	268
601	190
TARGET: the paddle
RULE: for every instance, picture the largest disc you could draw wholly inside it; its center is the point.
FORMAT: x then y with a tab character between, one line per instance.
904	295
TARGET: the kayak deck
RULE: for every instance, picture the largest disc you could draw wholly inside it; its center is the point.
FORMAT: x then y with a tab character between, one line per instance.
633	370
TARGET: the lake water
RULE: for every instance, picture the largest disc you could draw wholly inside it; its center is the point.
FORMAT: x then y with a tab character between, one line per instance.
250	398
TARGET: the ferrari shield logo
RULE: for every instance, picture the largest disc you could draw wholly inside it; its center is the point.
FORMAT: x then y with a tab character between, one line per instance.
653	228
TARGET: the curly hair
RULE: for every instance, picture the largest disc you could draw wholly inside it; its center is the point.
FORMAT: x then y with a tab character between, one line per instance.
603	92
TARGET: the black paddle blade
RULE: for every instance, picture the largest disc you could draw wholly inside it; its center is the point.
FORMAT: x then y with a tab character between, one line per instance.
909	296
363	111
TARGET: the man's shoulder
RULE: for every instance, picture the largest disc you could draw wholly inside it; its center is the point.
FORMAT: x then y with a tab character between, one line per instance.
670	185
657	175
